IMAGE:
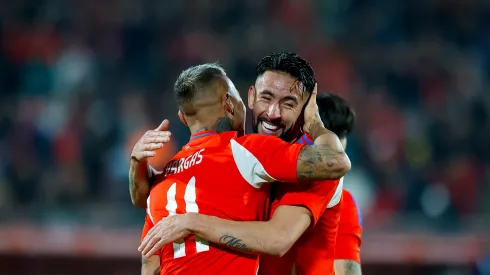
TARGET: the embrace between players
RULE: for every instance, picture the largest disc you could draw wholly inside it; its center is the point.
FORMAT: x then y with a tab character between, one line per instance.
227	197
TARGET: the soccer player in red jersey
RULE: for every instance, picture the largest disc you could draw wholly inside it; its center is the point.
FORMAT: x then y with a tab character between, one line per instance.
310	254
322	247
210	106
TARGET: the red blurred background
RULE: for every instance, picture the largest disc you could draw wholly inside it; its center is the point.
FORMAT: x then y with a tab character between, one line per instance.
80	80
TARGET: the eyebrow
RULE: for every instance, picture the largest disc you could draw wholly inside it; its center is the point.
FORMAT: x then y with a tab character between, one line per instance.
286	98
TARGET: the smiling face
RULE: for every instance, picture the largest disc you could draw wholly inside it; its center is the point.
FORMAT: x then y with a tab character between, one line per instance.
277	102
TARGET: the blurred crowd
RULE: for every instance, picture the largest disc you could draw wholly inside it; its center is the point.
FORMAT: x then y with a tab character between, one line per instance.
81	80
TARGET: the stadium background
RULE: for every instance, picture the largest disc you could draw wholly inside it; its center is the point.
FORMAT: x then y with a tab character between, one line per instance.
81	80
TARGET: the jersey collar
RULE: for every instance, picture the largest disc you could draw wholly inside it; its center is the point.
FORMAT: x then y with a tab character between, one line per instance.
199	137
202	134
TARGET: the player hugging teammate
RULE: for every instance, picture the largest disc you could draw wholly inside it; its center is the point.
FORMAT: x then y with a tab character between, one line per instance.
209	225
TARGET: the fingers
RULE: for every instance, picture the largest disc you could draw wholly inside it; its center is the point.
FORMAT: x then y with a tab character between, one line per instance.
150	244
150	141
148	154
147	238
157	139
151	146
313	95
154	133
163	126
155	248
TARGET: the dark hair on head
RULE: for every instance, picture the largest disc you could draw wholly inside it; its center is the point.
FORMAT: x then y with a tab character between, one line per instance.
194	79
292	64
336	114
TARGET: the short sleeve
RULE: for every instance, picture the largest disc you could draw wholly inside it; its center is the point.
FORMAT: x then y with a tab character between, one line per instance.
316	196
263	159
348	244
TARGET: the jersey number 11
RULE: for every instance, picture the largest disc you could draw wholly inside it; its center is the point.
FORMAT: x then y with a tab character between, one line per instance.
190	207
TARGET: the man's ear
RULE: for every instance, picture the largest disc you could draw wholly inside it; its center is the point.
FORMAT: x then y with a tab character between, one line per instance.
228	104
182	118
251	97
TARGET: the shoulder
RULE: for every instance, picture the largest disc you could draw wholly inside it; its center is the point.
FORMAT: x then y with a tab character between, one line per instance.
251	142
251	138
229	135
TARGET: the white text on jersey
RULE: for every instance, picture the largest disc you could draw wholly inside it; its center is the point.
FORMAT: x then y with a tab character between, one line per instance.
180	165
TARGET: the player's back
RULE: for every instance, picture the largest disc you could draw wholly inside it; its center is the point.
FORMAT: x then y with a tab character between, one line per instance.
216	175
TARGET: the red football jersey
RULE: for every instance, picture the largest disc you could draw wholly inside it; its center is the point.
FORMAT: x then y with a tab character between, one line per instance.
218	175
348	244
322	198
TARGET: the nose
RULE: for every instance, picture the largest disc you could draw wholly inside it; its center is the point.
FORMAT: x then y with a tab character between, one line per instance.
274	111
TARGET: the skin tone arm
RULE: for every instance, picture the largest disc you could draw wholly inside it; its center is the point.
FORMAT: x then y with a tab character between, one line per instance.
274	237
150	265
139	182
326	159
347	267
140	172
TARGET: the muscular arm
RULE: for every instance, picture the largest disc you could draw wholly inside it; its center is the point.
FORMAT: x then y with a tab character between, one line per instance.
140	174
150	266
274	237
347	267
324	160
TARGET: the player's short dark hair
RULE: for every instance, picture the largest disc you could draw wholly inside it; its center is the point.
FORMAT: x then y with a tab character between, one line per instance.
292	64
195	79
336	114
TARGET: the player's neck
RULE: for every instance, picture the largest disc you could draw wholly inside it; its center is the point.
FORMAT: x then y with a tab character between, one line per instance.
220	125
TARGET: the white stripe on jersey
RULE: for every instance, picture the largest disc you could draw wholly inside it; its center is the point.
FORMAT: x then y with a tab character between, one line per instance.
337	195
249	166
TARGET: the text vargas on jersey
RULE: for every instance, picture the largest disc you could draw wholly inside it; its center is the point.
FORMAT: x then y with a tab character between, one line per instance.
180	165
